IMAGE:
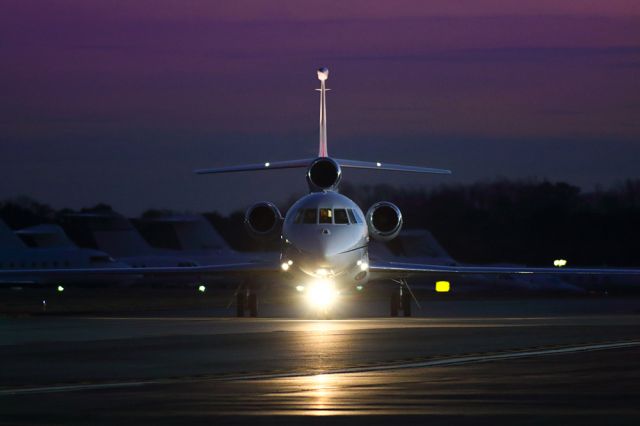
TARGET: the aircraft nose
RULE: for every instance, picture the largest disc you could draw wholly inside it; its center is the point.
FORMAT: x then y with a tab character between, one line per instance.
328	247
320	247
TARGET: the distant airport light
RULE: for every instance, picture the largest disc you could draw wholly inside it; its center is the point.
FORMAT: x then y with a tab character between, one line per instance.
267	164
285	266
300	288
559	263
379	164
60	289
359	287
443	286
202	288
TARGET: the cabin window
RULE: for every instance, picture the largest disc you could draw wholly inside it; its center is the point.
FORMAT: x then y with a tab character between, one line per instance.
310	216
352	216
340	216
326	216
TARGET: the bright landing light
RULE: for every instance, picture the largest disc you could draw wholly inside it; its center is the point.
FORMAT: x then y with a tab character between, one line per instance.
363	265
321	293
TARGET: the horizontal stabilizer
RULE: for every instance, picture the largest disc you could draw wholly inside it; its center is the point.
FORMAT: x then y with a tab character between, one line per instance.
291	164
355	164
306	162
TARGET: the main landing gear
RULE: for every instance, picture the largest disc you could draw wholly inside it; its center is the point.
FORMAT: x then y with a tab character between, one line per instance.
401	300
246	300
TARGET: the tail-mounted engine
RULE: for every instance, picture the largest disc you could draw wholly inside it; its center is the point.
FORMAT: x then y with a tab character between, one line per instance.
384	220
323	174
263	220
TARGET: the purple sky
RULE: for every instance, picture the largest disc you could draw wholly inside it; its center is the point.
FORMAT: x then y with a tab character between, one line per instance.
117	101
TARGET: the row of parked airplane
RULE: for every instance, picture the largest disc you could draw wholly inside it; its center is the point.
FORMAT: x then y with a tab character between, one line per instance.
110	240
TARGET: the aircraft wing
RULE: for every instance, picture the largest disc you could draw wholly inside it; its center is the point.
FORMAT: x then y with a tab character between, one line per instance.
221	270
381	270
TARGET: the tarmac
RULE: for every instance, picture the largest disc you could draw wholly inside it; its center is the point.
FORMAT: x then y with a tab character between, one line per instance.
460	362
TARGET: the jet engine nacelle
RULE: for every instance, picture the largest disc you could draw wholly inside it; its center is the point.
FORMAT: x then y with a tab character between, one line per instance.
384	220
263	220
323	174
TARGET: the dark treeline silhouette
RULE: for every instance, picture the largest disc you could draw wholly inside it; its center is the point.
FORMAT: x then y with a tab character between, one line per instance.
531	222
527	222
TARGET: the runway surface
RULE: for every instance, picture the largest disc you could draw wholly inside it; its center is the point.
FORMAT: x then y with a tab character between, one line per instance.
455	369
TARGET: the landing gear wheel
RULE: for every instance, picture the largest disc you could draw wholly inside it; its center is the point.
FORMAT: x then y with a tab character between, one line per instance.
406	304
241	299
252	301
395	303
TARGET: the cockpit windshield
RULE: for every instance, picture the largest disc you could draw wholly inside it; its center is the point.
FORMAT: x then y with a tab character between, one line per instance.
340	217
309	216
326	216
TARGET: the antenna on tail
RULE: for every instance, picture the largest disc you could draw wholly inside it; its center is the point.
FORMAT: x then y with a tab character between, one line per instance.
323	75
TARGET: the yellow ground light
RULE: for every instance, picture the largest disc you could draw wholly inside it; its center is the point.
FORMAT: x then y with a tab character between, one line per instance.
443	286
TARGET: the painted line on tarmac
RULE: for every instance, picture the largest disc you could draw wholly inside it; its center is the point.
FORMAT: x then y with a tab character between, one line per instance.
450	361
440	362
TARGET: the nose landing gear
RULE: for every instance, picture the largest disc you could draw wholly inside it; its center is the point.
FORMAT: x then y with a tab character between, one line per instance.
401	300
246	300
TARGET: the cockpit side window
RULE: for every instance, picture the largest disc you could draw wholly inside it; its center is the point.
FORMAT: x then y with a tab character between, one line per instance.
352	216
340	216
326	216
310	216
298	216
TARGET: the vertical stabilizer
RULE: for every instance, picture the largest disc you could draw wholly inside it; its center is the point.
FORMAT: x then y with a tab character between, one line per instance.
9	240
323	75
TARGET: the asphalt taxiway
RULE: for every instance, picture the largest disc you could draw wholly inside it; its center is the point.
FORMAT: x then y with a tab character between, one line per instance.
456	368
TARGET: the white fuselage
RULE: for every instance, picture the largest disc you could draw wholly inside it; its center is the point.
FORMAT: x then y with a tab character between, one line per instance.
325	237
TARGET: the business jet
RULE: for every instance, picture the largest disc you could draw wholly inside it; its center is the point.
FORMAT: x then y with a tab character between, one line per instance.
25	255
325	237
